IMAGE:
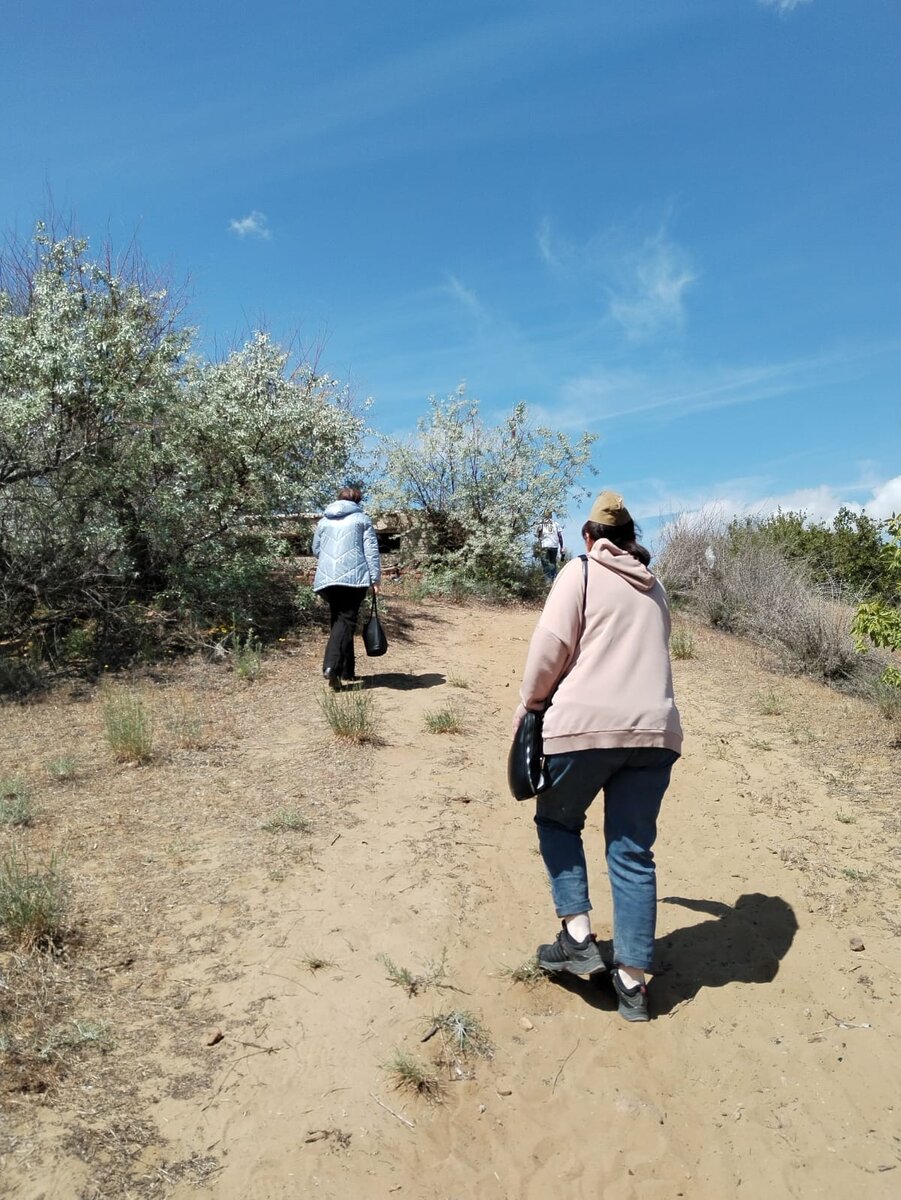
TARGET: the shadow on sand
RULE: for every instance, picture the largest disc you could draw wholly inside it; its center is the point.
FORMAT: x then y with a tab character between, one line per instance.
743	943
403	682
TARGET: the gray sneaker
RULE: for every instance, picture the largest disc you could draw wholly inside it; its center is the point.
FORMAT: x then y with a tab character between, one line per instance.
566	954
633	1001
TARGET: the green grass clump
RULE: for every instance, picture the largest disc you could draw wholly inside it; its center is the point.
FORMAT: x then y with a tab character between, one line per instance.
128	726
287	820
75	1035
528	972
888	699
247	657
770	704
682	643
458	681
34	904
16	808
62	768
464	1033
410	1075
443	720
351	715
412	983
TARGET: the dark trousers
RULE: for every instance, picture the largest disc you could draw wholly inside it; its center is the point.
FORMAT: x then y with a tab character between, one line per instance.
344	607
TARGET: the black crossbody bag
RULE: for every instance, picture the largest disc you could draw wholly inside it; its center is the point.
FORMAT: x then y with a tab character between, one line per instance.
526	776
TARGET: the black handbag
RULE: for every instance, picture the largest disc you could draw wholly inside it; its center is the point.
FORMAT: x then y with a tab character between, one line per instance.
526	775
374	640
525	762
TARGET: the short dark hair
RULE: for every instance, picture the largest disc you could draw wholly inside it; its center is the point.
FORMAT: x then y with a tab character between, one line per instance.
351	493
623	536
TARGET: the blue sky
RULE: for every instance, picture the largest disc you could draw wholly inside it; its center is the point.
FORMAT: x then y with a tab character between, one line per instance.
673	222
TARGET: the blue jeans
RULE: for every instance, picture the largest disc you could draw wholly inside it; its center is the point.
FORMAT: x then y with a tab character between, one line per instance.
633	782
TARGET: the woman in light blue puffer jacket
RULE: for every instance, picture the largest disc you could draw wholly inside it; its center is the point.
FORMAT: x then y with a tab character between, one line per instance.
348	553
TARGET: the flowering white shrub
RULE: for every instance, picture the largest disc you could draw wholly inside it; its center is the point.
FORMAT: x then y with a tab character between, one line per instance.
480	490
132	473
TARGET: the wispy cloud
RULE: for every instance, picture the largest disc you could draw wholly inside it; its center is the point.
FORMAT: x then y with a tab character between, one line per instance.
648	296
465	296
253	225
549	247
644	277
783	6
603	395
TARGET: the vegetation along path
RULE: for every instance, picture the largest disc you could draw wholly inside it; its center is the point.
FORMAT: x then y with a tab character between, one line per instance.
301	966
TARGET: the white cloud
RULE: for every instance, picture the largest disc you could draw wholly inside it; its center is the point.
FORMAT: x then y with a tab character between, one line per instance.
253	225
886	499
464	296
644	278
750	498
547	245
783	6
648	295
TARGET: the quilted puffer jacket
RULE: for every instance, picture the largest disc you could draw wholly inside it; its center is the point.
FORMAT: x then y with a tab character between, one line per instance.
347	548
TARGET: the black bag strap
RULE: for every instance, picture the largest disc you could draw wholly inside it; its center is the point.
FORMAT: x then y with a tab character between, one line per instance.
584	558
373	605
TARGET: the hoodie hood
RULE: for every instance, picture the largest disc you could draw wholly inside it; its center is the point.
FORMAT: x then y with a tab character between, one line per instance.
342	508
622	563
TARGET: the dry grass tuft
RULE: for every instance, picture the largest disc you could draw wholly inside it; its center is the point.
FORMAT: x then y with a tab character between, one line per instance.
34	903
287	820
410	1075
351	716
62	769
682	643
128	726
464	1033
443	720
16	807
411	983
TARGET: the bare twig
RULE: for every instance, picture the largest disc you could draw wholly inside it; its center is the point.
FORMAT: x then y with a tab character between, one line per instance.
847	1024
563	1064
252	1054
403	1120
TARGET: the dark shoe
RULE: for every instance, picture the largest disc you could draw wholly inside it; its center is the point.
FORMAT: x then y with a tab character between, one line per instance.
333	679
633	1001
566	954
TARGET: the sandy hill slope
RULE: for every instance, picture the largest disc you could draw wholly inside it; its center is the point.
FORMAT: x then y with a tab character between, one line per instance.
394	917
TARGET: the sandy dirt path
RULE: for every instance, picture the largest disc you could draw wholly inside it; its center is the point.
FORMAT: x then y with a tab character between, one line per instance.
771	1069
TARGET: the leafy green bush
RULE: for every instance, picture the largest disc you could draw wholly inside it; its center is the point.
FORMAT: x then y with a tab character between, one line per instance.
847	555
878	622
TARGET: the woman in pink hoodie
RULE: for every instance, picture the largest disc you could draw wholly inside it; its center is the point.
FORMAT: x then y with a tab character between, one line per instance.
599	668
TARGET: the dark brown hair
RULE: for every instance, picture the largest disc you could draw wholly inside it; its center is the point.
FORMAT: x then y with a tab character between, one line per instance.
351	493
621	535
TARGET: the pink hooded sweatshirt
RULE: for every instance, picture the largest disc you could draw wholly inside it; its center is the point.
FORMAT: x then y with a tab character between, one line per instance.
614	687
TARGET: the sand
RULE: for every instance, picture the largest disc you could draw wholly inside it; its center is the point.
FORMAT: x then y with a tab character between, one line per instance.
770	1068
